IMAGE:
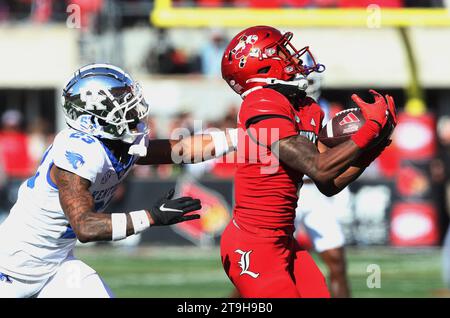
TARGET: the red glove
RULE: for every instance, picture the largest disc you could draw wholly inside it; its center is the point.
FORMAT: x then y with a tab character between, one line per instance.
392	109
376	115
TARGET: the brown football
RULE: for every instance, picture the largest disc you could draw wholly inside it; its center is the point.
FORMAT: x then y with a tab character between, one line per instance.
341	127
346	123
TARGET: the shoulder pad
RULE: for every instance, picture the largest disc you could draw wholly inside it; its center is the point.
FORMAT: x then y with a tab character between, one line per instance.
78	153
263	102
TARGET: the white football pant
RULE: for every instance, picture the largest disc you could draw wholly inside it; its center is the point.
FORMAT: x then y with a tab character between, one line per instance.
73	279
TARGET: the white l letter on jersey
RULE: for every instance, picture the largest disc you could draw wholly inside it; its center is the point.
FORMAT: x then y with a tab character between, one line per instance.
244	263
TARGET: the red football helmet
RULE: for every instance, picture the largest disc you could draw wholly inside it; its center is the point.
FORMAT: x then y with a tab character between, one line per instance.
262	55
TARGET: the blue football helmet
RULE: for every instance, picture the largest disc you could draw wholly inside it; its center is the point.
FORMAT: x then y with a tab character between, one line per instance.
104	101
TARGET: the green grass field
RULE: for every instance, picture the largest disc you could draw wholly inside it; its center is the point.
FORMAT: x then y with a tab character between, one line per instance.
193	272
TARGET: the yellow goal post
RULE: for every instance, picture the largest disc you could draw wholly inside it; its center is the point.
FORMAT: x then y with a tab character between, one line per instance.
165	15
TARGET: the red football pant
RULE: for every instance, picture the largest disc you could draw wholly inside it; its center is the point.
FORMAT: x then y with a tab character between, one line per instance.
270	267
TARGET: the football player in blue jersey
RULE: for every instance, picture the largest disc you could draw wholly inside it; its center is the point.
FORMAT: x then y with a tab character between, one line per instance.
65	200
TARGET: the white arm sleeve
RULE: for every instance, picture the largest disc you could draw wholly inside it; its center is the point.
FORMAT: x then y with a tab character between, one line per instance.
221	143
233	133
78	153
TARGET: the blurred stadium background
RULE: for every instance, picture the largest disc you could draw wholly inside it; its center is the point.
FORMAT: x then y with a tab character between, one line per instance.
397	214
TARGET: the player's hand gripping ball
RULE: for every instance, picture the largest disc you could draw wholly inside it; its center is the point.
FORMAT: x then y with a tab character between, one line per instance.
347	122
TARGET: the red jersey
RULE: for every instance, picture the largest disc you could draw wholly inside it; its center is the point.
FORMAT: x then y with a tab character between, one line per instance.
266	189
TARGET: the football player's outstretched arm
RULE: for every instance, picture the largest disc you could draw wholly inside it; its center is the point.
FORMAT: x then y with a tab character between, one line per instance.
78	204
192	149
333	169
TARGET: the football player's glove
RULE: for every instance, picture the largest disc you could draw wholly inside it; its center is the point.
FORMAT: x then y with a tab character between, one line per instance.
392	109
169	211
376	111
376	115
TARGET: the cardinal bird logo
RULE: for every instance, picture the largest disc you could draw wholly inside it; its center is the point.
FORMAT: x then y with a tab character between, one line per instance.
245	48
244	263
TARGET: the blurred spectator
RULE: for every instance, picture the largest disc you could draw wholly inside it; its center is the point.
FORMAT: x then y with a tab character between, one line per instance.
88	11
230	119
151	122
37	140
4	10
3	208
2	178
424	3
14	146
19	9
366	3
220	168
183	3
211	3
315	3
165	58
211	54
41	10
183	120
258	3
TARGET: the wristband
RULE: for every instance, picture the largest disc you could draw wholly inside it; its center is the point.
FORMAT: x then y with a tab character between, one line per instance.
119	226
366	134
220	143
140	221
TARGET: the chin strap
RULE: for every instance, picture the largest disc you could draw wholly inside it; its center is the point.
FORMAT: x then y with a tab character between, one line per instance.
139	149
300	82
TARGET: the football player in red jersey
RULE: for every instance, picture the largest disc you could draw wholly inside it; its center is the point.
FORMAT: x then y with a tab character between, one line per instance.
277	145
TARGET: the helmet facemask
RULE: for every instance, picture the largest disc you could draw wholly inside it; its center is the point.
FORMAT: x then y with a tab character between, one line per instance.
117	118
130	116
292	59
291	70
